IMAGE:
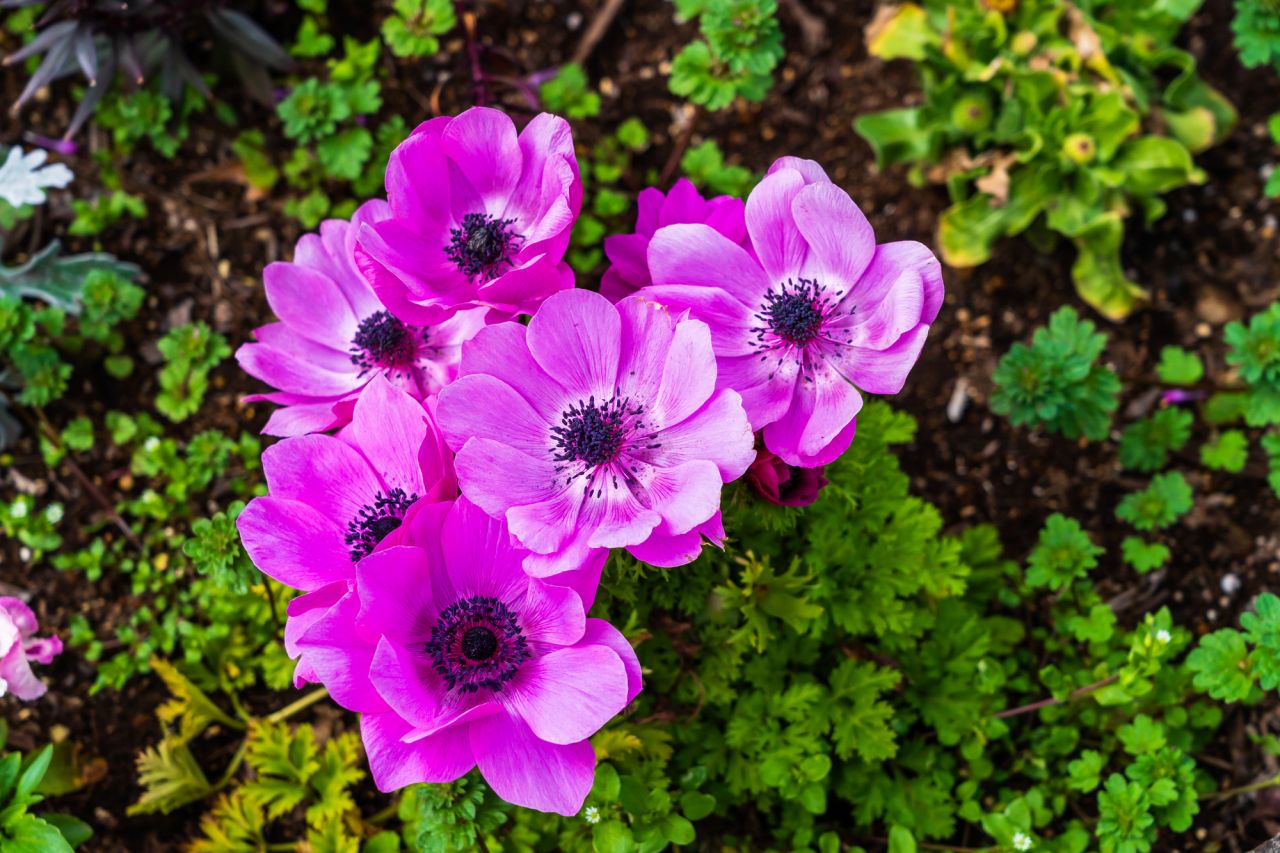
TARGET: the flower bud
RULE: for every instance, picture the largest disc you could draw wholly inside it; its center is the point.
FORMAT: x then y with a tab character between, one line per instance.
1080	148
971	114
1023	43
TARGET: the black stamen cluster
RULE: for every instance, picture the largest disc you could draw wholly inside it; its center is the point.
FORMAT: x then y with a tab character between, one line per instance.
384	341
593	433
374	522
794	312
477	643
483	246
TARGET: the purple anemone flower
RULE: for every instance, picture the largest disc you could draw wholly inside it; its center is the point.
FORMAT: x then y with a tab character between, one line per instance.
822	310
333	500
334	335
481	665
597	426
628	253
479	217
19	646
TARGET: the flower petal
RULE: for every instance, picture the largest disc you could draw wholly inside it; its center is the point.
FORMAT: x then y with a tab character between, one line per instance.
340	657
496	476
566	695
395	594
502	351
777	240
576	337
883	371
821	411
410	685
294	543
527	771
442	757
812	172
309	303
296	466
552	613
482	143
390	428
600	632
698	255
481	406
719	433
841	240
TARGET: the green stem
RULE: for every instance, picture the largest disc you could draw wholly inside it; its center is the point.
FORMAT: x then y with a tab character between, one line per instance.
1273	782
301	705
384	815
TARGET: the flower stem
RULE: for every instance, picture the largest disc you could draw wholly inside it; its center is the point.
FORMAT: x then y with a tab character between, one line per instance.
1273	782
295	707
1051	701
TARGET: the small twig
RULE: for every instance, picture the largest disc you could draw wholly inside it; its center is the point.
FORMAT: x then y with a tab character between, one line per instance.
596	29
946	848
479	82
1050	702
76	471
677	151
271	599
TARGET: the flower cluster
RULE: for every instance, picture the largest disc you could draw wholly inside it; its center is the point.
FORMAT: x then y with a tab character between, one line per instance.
448	538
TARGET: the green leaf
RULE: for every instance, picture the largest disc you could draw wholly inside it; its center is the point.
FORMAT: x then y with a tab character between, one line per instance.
904	34
170	778
1143	556
1179	366
1141	736
901	840
1262	629
73	829
1156	164
30	834
1086	771
1163	502
58	280
1063	553
1221	666
895	136
1097	272
343	155
696	805
1228	451
1146	444
612	836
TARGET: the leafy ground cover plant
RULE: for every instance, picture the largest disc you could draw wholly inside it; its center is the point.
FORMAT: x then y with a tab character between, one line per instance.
1060	384
740	45
1050	120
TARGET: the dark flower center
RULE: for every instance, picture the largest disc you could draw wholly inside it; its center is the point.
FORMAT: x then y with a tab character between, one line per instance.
383	341
594	433
483	246
477	643
794	312
374	522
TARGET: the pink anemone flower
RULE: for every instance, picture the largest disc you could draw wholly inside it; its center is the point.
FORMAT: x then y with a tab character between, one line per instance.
333	500
19	646
812	312
597	426
334	335
480	216
628	253
481	665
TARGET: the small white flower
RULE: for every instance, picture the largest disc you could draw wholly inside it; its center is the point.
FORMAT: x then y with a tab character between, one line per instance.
591	814
19	509
151	445
1021	841
1163	636
53	513
22	180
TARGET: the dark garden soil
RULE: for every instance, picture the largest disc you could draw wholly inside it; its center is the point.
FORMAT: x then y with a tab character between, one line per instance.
1213	258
